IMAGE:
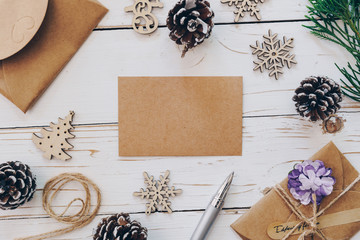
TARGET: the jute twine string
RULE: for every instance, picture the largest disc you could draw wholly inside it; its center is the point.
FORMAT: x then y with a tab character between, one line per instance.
312	221
78	220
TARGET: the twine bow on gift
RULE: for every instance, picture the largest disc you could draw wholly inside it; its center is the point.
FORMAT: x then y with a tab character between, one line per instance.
311	221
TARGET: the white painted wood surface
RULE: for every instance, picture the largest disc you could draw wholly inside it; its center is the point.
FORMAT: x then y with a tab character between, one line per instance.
274	136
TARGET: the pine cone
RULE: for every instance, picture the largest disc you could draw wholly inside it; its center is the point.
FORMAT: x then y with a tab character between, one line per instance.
120	227
17	185
190	22
317	98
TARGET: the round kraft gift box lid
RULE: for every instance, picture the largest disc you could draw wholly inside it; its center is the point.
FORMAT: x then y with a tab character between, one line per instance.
19	22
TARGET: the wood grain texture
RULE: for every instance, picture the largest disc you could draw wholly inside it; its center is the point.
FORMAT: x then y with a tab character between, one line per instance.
278	10
109	54
288	138
178	226
274	137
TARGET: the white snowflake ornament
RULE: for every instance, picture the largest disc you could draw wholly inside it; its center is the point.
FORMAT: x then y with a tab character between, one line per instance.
244	6
157	193
273	54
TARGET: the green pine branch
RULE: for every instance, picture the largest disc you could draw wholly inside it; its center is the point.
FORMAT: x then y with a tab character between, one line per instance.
338	21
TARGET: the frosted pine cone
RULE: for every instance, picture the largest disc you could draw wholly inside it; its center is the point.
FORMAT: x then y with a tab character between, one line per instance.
120	227
190	22
317	98
17	185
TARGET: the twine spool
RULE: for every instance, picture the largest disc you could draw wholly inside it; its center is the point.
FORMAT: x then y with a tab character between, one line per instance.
78	220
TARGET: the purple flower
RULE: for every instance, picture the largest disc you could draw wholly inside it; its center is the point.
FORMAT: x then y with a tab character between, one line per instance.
310	177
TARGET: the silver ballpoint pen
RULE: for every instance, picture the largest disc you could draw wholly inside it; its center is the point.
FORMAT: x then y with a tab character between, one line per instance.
212	210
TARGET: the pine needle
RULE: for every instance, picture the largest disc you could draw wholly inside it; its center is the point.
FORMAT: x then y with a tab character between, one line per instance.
338	21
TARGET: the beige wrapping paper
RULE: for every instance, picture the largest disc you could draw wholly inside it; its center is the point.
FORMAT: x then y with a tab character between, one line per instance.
67	24
272	208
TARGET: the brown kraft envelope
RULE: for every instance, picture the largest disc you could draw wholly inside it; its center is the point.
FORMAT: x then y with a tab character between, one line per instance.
180	116
272	208
67	24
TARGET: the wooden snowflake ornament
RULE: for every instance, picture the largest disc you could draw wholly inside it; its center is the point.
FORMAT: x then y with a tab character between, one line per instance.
54	142
273	54
157	193
243	6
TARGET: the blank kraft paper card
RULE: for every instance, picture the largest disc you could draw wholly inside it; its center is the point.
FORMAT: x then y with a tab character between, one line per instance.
180	116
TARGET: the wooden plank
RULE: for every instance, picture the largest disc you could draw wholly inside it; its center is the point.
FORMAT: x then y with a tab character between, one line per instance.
91	76
271	147
178	226
271	10
274	136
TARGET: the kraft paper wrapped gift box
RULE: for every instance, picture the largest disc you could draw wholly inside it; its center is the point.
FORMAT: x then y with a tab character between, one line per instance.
273	209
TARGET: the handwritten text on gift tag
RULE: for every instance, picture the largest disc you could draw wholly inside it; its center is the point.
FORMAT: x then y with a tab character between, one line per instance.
279	230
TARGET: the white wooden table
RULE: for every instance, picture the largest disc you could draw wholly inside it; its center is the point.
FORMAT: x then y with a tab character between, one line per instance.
275	137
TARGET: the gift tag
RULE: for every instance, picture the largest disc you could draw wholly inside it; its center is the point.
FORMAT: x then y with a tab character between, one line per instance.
19	22
279	230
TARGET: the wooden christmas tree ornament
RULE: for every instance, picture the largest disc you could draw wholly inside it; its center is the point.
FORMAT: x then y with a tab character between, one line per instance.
144	22
54	142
